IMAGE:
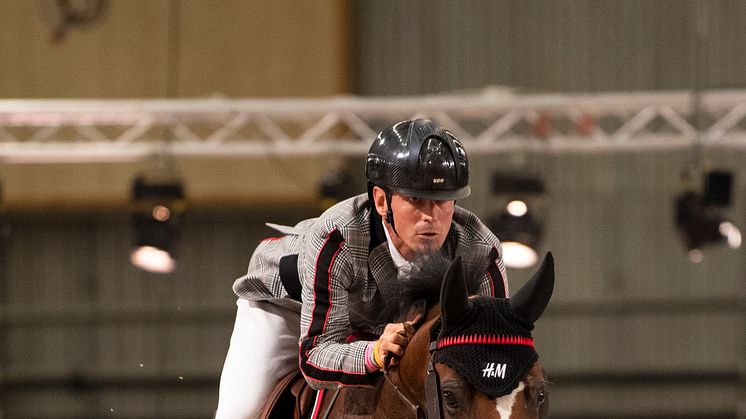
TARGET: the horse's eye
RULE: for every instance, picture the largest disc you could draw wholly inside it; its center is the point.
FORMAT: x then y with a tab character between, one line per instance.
450	399
543	396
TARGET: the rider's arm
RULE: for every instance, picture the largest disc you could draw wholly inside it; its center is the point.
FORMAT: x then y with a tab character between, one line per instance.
494	281
326	359
482	248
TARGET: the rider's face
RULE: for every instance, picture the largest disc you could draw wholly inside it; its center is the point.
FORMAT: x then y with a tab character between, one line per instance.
421	224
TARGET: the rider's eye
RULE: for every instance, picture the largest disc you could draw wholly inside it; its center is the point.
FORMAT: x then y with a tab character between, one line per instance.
450	398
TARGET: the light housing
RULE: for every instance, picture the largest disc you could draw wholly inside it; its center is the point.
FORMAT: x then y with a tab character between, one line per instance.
337	184
515	222
159	207
519	236
701	218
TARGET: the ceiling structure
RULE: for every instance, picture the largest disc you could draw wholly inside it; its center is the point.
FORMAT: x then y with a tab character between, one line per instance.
59	131
85	153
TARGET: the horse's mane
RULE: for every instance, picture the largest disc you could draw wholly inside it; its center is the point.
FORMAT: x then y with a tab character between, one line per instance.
413	293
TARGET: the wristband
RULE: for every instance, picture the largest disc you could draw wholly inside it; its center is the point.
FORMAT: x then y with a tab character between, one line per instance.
370	360
376	357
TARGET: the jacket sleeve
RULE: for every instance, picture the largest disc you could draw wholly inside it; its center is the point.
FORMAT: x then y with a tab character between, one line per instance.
495	280
488	253
326	359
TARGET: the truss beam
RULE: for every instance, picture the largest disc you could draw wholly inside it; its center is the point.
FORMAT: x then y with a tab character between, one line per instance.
110	130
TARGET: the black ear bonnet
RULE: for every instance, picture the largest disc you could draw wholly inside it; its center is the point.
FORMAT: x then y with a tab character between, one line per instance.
493	364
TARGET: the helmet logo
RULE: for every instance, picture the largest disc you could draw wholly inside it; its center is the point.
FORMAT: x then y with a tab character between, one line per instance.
438	180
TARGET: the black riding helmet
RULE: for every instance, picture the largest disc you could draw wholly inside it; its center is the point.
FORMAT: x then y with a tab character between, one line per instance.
419	159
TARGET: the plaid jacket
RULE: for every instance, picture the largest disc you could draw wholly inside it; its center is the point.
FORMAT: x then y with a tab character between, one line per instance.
341	257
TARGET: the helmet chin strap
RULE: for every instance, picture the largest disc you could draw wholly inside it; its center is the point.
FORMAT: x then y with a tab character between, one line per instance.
389	211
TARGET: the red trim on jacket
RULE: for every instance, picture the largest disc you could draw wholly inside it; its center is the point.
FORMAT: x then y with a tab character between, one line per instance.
320	314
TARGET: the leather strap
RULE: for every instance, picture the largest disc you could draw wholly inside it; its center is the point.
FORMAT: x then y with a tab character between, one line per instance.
432	388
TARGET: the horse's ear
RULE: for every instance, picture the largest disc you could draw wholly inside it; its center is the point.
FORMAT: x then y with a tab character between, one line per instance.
454	296
531	300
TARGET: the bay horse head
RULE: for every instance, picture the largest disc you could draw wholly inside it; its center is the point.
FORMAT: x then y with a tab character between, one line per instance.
472	357
483	352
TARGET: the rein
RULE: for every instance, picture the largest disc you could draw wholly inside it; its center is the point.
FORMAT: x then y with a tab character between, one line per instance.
432	389
415	408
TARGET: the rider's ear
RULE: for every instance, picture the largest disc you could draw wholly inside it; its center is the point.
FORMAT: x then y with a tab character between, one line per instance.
454	295
379	201
531	300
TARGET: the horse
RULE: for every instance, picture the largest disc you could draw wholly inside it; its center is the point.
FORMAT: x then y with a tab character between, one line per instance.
470	357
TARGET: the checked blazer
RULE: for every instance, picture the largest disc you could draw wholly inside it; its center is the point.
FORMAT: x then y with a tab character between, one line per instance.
342	256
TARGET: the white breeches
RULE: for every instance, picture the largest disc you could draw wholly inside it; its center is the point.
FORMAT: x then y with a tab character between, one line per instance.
263	349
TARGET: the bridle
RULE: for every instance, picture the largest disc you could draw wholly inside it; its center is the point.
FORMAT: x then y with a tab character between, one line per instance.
432	387
433	408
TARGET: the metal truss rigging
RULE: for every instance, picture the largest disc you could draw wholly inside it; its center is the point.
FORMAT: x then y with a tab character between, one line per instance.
112	130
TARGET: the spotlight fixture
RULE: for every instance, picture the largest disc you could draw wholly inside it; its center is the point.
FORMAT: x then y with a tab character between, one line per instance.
158	210
336	185
701	218
514	223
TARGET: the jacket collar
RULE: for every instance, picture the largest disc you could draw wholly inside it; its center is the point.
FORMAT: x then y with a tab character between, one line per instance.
380	265
377	235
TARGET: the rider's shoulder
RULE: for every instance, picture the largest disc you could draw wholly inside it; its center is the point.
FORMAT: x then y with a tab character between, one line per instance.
350	216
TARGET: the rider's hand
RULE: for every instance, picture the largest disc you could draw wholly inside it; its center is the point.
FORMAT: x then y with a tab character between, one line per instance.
394	340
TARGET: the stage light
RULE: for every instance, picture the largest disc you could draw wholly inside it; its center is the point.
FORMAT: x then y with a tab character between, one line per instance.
517	208
153	259
159	206
519	235
337	184
701	218
731	233
514	222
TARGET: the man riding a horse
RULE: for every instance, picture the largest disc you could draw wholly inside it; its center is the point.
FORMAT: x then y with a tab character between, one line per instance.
295	302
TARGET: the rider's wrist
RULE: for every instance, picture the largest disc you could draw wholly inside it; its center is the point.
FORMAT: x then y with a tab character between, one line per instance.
370	358
377	359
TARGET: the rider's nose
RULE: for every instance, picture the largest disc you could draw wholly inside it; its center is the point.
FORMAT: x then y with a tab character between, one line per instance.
428	209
